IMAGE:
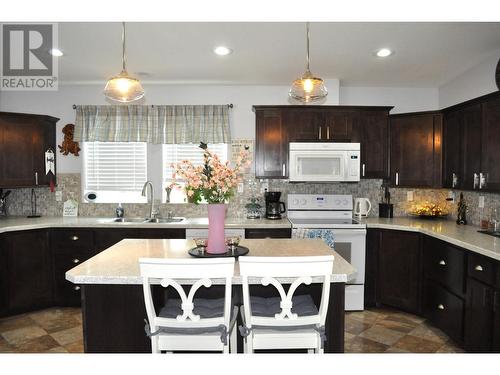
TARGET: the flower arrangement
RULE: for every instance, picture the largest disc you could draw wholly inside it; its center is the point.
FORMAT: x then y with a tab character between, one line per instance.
213	181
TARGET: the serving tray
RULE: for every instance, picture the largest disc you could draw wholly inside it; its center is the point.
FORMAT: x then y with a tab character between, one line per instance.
198	252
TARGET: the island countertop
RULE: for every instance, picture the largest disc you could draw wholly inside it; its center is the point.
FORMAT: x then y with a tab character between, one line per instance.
120	263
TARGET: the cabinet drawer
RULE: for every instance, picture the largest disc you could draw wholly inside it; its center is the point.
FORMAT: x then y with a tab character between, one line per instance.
72	239
445	264
481	268
268	233
444	309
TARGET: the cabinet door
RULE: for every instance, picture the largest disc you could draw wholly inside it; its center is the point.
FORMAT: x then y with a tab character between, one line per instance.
496	322
371	267
478	317
268	233
370	129
452	172
304	125
416	150
271	148
399	270
470	145
337	125
29	270
490	160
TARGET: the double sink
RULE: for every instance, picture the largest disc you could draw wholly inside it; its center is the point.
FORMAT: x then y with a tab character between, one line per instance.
156	220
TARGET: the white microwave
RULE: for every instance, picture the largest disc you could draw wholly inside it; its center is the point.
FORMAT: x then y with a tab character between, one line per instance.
324	162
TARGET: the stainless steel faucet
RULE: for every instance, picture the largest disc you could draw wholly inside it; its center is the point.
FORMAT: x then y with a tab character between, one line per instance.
152	197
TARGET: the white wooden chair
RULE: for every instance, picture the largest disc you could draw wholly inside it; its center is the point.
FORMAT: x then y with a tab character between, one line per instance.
288	321
188	323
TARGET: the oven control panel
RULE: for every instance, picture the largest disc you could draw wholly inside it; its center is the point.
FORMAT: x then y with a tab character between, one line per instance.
319	202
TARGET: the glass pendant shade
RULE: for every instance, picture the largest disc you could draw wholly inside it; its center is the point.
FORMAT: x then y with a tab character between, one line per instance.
308	88
123	88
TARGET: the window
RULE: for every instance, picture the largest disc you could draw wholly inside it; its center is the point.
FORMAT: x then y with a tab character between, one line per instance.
173	153
116	171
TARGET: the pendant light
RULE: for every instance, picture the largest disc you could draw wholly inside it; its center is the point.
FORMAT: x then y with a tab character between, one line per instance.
123	87
308	88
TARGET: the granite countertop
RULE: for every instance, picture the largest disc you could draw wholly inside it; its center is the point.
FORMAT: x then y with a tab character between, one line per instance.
465	236
119	264
14	223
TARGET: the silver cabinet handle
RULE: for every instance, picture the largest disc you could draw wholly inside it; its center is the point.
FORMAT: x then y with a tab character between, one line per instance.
327	132
440	306
482	180
476	181
283	169
74	238
478	268
397	178
442	262
76	287
76	260
363	169
454	182
36	178
319	136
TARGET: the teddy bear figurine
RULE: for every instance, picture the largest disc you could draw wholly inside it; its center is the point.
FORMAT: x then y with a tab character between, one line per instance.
68	145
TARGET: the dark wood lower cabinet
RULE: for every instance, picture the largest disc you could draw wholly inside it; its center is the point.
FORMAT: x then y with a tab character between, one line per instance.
496	321
105	238
268	233
399	270
371	267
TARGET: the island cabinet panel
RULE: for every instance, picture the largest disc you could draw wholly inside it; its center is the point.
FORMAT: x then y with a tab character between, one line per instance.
490	160
105	238
27	271
399	270
415	147
268	233
24	138
271	145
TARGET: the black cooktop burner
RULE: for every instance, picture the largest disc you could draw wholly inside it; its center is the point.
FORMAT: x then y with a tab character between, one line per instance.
491	233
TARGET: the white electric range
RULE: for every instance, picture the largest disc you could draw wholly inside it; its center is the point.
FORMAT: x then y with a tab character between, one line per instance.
334	213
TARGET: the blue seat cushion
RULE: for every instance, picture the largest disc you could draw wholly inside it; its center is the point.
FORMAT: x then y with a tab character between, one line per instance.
204	307
302	305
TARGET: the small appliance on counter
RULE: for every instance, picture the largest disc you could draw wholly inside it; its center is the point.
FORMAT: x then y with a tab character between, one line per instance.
385	209
362	207
493	227
274	208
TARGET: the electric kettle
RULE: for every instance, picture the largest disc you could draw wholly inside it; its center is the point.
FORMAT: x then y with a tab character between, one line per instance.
362	207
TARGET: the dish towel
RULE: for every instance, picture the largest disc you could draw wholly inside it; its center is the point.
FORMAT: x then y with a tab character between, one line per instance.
325	234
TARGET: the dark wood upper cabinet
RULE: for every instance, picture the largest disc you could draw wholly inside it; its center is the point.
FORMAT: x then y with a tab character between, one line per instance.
271	146
415	146
304	125
490	158
24	138
452	170
470	147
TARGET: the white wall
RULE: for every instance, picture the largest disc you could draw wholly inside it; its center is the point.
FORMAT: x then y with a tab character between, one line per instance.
476	81
404	99
59	104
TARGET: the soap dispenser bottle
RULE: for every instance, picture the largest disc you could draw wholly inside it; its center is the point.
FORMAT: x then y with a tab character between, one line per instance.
120	212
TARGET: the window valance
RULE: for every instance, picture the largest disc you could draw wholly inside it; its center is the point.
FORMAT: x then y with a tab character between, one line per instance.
162	124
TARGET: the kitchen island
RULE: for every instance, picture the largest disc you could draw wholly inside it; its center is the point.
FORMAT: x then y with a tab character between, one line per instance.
112	297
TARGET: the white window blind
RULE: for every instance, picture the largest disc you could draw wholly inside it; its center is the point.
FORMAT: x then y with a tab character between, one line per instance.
175	153
115	168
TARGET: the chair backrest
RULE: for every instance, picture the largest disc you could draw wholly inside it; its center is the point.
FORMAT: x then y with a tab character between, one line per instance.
289	270
171	272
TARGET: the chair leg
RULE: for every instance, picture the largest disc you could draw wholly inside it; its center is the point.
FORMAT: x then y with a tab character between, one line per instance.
154	345
249	344
233	342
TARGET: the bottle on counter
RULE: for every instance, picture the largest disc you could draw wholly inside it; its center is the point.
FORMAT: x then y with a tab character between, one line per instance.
120	212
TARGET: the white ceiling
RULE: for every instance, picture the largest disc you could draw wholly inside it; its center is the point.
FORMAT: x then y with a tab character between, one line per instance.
426	54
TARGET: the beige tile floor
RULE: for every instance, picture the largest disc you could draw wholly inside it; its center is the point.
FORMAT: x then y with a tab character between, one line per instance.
59	330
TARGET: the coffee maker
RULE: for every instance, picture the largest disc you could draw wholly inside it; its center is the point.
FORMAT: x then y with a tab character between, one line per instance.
274	208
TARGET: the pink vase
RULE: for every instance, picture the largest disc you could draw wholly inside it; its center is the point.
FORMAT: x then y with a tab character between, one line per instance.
216	238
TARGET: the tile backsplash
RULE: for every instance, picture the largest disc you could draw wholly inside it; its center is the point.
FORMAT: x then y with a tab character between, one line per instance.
19	202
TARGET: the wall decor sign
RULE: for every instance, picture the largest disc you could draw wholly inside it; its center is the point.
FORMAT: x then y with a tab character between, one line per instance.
69	146
70	208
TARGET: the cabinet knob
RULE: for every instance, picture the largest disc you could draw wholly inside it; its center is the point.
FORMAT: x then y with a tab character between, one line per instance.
475	181
440	306
442	262
74	238
283	169
76	287
76	260
397	178
327	132
363	169
319	135
36	178
478	268
454	182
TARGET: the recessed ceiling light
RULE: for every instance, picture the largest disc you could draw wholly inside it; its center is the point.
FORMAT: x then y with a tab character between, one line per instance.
222	51
56	52
384	52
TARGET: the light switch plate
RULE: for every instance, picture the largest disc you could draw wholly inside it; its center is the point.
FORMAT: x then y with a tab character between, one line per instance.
481	201
409	196
264	185
58	196
240	187
451	196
